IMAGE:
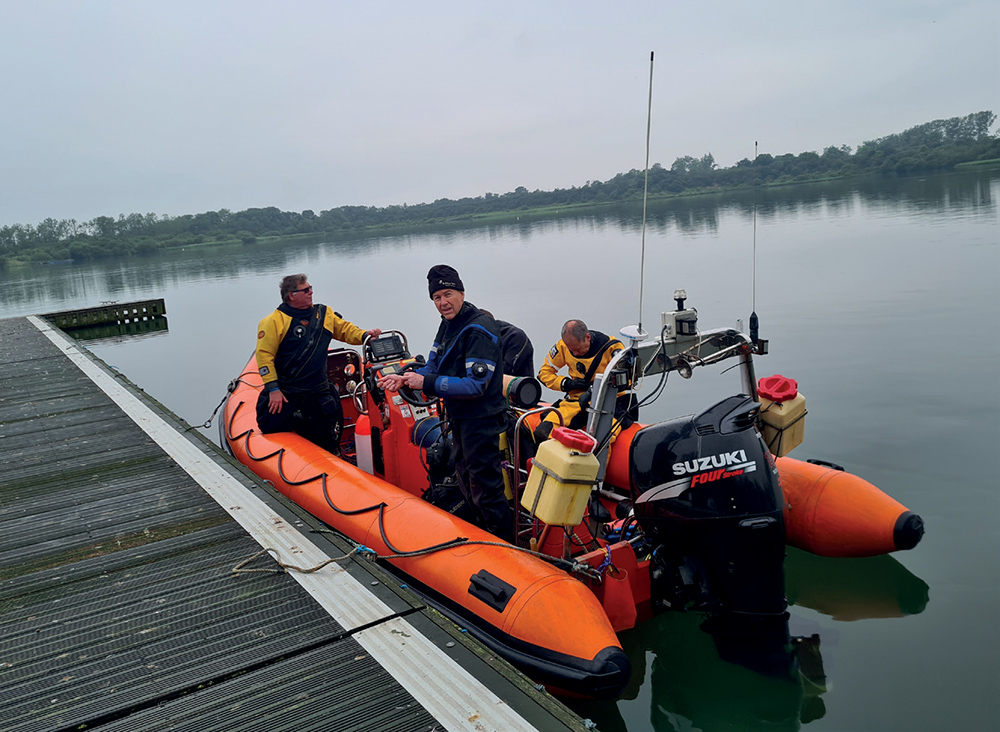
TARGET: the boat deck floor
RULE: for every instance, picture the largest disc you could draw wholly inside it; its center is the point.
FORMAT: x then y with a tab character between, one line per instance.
120	528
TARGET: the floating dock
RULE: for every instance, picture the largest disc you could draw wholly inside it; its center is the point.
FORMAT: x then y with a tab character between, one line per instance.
143	583
110	313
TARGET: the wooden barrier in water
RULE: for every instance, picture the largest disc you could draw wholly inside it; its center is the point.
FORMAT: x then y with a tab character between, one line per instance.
109	313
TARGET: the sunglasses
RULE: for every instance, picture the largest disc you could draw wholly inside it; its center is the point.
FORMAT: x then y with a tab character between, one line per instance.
304	289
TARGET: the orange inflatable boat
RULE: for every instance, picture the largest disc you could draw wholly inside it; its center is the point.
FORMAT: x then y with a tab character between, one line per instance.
691	513
541	615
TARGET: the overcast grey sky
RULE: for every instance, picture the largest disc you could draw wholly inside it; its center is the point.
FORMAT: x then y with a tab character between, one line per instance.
175	107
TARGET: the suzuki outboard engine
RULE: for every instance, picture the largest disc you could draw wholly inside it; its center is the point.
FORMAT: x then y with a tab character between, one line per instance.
705	492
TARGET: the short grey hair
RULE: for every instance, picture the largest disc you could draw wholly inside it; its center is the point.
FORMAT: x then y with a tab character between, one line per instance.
576	328
289	283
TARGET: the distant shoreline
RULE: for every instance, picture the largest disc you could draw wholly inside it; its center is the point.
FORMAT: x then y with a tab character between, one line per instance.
504	217
939	147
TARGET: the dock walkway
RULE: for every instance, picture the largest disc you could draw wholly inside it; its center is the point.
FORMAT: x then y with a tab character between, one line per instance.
120	528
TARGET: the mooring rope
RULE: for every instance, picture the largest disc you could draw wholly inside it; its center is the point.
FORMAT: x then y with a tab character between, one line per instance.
567	565
571	566
229	390
238	569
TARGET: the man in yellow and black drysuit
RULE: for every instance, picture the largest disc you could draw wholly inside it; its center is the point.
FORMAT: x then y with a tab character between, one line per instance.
291	357
585	353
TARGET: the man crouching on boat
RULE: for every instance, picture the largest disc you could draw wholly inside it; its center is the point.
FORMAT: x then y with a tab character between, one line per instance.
464	370
291	357
584	353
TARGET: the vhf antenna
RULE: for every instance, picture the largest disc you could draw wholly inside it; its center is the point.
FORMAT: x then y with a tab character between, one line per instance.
754	324
645	188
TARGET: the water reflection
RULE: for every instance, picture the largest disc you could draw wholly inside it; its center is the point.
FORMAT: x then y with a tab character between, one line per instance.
119	332
854	589
690	686
731	677
957	194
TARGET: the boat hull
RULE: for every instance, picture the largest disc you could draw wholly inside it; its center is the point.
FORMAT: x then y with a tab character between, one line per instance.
836	514
545	621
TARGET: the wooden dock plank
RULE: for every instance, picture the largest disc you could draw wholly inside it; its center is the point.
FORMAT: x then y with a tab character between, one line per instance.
119	608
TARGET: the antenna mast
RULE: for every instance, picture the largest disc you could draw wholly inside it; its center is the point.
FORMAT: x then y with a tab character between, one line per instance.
754	323
645	188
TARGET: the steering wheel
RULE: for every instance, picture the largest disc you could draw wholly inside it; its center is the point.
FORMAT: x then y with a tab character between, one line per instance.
409	395
358	395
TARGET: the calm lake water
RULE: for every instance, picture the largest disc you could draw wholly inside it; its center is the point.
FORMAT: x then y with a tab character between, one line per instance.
879	297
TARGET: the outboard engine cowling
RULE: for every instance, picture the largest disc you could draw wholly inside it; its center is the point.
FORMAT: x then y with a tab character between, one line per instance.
705	492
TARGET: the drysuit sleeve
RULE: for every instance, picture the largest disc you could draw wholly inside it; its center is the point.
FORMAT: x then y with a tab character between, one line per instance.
555	359
343	330
481	360
270	332
430	369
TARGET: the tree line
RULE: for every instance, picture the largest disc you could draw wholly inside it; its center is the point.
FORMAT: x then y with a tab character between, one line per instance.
934	146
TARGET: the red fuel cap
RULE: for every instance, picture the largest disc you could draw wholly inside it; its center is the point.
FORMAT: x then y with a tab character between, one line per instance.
778	388
574	439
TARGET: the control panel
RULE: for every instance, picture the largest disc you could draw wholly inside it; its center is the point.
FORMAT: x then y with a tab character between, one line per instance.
387	347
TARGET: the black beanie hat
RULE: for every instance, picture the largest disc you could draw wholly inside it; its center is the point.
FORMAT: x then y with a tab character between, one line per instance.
443	277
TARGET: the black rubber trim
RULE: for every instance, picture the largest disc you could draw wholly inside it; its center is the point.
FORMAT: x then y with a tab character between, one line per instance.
908	531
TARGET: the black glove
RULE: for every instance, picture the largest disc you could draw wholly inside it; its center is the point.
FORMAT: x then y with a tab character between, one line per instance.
569	384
